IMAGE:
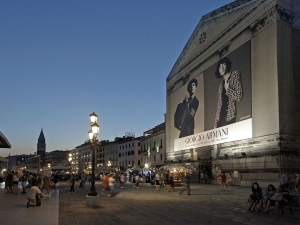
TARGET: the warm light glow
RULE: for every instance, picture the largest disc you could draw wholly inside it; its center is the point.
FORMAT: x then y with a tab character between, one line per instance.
91	135
70	159
146	165
93	117
95	128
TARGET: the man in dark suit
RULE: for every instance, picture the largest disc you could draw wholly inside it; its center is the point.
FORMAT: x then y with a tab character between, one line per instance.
186	111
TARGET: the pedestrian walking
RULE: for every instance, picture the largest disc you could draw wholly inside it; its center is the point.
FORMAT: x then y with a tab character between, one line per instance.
171	182
137	180
186	184
56	181
24	181
122	180
162	179
9	182
206	178
201	177
30	180
223	181
105	185
111	181
90	178
157	181
229	182
46	183
143	180
15	182
72	183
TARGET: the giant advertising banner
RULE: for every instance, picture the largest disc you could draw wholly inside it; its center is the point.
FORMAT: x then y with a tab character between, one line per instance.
215	106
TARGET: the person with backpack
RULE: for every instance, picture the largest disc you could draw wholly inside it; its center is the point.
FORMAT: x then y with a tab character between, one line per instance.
32	195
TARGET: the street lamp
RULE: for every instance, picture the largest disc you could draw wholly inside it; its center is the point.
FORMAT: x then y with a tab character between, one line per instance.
94	131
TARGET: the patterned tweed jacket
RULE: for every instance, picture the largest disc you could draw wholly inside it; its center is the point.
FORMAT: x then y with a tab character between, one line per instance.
234	93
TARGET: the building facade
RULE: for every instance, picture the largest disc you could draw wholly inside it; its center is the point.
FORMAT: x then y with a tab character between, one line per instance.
57	157
152	145
128	152
233	96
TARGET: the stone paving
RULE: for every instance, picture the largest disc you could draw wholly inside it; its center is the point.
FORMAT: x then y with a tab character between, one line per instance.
13	209
207	204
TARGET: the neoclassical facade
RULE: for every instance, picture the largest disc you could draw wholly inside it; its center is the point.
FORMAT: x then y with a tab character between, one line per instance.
233	93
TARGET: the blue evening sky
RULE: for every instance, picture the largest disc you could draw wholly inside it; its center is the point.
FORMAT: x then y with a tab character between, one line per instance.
60	60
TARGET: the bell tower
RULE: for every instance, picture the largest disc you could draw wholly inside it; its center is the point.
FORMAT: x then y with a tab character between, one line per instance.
41	145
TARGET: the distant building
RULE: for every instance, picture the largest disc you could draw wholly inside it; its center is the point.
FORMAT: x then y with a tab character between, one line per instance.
17	161
128	152
152	153
107	153
41	148
57	157
82	158
3	166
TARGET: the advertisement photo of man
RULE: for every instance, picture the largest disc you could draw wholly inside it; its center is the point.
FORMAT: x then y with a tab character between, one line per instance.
185	112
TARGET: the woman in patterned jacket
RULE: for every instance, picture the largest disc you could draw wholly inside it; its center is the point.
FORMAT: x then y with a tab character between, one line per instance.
230	91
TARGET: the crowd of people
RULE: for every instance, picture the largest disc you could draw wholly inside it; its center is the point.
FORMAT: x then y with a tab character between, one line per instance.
262	201
32	184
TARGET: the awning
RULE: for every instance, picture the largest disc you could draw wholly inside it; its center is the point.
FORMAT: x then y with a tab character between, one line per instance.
59	167
4	143
103	168
173	167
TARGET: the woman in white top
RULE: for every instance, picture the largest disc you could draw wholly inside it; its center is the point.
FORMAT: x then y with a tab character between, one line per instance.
15	183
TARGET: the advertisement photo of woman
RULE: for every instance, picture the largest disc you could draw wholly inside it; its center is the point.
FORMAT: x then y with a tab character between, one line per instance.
229	91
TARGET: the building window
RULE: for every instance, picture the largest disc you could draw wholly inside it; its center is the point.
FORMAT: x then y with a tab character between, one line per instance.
132	144
139	163
160	143
154	158
132	152
160	157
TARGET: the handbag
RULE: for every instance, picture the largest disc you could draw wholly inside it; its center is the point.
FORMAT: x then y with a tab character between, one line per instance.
277	197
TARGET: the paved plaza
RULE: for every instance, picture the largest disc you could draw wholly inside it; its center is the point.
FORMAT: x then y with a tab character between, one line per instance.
207	204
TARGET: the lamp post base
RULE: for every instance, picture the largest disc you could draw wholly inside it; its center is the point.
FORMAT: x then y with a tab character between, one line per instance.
93	201
93	191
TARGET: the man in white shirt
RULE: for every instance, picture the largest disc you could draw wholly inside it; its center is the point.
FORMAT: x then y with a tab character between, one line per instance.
33	191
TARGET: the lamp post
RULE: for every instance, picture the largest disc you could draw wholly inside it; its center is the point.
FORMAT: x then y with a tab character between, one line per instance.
94	131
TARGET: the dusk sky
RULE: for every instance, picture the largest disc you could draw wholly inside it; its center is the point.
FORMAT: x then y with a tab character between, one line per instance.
61	60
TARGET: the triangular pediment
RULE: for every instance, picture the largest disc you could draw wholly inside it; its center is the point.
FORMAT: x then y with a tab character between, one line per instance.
4	143
211	28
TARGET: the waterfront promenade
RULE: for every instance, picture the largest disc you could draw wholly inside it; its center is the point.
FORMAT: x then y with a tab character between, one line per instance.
207	204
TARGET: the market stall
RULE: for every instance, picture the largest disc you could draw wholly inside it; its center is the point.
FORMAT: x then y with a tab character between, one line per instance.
148	172
178	172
